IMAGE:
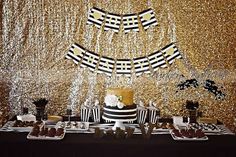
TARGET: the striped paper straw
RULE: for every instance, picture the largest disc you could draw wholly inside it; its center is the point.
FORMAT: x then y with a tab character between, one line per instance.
141	116
96	114
153	116
85	113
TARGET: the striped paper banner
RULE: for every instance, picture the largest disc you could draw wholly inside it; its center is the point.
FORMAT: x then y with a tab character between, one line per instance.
90	60
75	53
130	22
171	53
106	65
112	22
147	18
123	67
157	60
96	16
141	65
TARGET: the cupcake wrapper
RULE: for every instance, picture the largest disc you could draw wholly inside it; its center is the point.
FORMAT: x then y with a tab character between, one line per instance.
96	114
85	114
141	116
153	116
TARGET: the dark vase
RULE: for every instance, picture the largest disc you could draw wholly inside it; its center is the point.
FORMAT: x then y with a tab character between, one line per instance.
192	116
25	110
40	108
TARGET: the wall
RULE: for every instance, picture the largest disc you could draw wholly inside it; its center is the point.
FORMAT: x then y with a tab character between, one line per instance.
37	34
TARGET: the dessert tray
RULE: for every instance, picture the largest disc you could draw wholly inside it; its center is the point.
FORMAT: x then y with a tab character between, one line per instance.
164	127
46	133
73	125
6	126
207	128
188	135
19	126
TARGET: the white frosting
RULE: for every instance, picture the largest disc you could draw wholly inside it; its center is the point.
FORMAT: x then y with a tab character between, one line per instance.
113	101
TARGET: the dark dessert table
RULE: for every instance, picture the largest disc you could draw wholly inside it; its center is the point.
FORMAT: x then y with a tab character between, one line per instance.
75	145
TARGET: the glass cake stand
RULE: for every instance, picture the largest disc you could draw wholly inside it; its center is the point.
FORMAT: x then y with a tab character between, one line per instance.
118	122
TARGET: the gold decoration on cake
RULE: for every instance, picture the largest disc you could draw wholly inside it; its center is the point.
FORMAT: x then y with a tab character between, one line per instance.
125	94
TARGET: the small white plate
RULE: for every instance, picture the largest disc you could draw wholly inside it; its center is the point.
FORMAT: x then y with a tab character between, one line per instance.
205	138
30	137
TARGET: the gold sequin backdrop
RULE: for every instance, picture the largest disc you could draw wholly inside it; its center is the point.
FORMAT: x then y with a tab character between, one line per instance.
36	35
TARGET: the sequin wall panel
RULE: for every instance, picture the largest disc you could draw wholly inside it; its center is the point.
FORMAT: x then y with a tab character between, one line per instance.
37	34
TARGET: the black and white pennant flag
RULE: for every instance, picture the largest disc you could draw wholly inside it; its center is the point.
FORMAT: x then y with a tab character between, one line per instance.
171	53
123	67
112	22
157	60
147	18
141	65
96	16
75	53
106	65
90	60
130	22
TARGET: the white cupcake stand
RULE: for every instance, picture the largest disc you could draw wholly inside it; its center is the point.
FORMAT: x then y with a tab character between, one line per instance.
119	122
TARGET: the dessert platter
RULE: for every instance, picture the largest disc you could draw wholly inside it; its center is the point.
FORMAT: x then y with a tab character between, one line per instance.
164	127
106	127
188	135
73	126
46	133
207	128
21	126
159	128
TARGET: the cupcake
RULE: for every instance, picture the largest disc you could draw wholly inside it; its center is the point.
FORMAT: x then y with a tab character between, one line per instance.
96	111
141	113
154	113
85	112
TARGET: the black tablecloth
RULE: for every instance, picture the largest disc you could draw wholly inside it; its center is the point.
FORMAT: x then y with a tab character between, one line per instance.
74	145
